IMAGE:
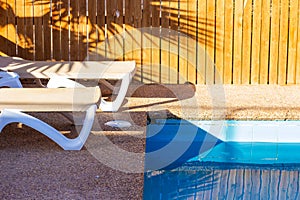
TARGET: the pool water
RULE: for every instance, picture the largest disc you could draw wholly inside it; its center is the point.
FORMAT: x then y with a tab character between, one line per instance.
184	161
222	181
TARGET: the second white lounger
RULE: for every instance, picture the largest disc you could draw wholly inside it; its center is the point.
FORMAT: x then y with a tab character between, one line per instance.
99	70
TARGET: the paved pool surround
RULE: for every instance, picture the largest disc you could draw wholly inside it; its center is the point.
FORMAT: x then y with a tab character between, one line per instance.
198	102
37	168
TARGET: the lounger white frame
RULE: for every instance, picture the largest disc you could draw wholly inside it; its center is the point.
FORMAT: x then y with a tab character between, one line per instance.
99	70
15	101
9	79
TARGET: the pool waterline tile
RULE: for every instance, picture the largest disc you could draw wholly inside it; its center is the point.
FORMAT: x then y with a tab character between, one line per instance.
261	142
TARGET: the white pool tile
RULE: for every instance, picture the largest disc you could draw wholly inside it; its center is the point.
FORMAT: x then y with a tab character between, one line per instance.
289	134
265	133
238	133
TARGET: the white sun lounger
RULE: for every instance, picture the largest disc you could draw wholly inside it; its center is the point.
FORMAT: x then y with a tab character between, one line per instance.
10	79
15	101
99	70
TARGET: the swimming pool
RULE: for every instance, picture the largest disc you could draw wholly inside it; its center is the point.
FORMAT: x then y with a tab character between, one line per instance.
222	160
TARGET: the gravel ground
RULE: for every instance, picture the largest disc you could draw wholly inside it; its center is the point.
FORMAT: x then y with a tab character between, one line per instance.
33	167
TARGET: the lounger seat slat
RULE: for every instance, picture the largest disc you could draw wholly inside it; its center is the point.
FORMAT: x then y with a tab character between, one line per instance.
49	99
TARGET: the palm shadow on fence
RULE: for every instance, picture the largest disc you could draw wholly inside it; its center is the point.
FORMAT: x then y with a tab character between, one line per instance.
63	30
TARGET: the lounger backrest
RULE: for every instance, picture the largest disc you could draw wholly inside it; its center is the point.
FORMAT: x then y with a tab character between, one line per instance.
49	99
72	69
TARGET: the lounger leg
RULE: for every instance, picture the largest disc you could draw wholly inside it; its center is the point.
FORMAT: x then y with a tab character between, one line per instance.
10	116
116	104
104	105
62	82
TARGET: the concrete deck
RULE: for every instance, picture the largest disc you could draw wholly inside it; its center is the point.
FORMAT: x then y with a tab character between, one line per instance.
240	102
34	167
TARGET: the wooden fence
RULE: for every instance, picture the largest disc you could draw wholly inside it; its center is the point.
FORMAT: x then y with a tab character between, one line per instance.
200	41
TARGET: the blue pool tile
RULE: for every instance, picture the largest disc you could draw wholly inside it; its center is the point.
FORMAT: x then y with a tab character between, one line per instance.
264	153
289	152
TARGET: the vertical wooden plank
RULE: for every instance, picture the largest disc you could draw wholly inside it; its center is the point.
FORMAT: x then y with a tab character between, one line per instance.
115	44
217	175
256	184
38	31
255	57
145	74
237	39
21	40
210	41
266	179
228	48
63	30
47	30
74	30
155	45
137	32
101	18
82	25
191	19
274	45
247	184
165	41
201	42
29	30
3	28
273	184
183	41
292	50
174	51
283	184
293	189
283	42
265	42
206	194
129	25
298	49
220	41
57	29
92	26
247	35
231	183
11	29
119	29
223	184
239	181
